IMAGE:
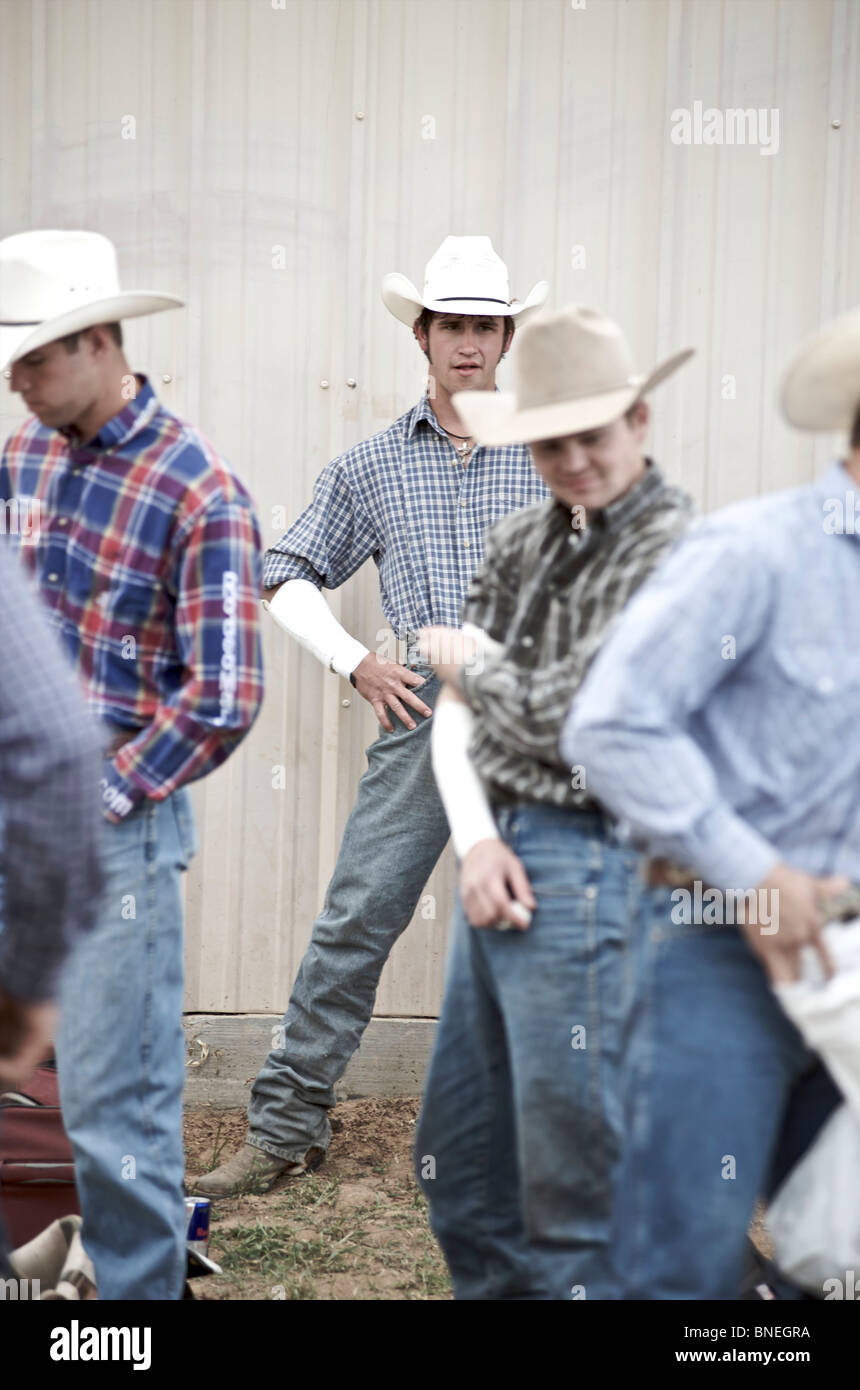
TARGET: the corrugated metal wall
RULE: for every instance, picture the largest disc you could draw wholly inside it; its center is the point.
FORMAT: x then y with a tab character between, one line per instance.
271	161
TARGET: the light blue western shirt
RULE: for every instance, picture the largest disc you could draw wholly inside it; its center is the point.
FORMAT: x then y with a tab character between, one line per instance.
721	721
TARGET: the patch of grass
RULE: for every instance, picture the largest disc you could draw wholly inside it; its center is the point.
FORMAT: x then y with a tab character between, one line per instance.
259	1247
430	1275
217	1149
308	1193
288	1261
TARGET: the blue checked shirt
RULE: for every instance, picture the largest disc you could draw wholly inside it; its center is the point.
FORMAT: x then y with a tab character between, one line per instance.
720	720
404	497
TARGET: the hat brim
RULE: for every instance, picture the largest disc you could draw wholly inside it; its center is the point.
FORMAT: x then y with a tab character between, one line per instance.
821	388
16	340
401	299
492	416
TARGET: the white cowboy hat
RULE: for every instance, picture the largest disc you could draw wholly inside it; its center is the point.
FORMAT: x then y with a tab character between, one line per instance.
465	276
821	389
573	372
54	283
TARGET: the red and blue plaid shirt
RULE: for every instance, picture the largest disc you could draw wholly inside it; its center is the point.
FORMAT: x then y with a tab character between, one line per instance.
147	552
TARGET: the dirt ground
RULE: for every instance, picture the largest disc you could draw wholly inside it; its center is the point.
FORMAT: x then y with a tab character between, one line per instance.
355	1229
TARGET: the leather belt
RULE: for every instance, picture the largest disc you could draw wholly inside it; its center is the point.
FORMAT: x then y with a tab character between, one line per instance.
662	873
123	736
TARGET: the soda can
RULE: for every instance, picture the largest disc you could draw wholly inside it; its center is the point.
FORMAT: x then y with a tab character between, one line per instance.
197	1211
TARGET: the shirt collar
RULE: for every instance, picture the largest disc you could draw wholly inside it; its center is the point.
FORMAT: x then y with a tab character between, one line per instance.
121	426
618	515
838	493
424	411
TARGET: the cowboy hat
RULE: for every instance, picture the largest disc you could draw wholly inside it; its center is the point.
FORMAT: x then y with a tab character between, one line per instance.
821	389
465	276
573	371
54	283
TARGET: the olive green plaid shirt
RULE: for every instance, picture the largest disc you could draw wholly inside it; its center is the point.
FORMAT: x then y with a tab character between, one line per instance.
549	593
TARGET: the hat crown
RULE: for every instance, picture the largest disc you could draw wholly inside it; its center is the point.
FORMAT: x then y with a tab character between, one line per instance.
575	353
47	273
467	267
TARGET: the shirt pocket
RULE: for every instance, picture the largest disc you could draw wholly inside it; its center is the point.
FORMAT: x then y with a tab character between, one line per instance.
815	710
819	669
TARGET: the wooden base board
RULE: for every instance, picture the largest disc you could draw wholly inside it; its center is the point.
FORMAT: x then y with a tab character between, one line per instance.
225	1051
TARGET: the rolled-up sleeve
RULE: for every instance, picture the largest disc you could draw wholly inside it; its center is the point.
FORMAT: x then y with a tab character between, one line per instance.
630	727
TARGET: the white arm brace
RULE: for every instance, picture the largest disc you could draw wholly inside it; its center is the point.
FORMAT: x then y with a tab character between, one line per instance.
460	787
300	609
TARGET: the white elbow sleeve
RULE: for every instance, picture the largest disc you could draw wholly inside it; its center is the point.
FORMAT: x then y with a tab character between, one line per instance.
460	787
300	609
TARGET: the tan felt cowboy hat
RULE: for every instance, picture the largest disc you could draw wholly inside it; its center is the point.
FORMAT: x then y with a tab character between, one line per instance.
54	283
821	389
465	276
573	372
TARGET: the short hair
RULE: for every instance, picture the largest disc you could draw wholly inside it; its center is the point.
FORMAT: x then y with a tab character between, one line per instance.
855	430
425	318
71	341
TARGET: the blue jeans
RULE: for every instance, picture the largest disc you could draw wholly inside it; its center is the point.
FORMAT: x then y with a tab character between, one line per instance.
520	1128
392	841
715	1063
121	1057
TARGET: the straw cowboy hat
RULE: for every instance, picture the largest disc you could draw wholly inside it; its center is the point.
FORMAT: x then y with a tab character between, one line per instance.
54	283
573	371
465	276
821	389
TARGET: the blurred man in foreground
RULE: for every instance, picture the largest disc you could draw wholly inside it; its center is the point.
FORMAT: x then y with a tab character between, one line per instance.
520	1127
51	827
720	723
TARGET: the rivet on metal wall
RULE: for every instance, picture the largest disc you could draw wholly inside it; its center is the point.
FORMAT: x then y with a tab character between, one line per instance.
165	376
324	384
351	381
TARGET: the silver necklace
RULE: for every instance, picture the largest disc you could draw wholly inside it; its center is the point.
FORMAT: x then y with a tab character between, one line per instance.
462	449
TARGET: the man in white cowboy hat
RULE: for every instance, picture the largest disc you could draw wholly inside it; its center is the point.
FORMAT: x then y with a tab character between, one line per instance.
147	556
418	498
520	1125
720	722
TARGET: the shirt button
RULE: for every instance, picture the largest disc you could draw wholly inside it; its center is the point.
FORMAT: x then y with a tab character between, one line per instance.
826	684
52	578
528	642
466	545
76	472
63	521
591	892
464	504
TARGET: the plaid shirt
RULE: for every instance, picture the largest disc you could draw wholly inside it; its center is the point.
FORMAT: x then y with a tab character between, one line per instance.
549	593
404	497
49	768
147	552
